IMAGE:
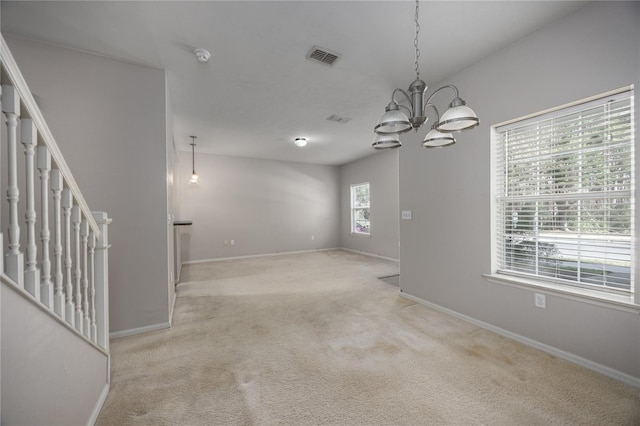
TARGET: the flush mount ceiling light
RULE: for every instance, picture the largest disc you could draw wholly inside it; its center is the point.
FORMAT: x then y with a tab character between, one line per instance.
300	142
400	118
194	177
203	55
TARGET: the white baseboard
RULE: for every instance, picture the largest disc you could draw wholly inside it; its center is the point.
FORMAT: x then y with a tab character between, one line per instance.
370	254
282	253
220	259
173	306
96	410
599	368
139	330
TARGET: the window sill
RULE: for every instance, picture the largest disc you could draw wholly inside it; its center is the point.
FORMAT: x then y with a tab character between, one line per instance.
607	300
361	234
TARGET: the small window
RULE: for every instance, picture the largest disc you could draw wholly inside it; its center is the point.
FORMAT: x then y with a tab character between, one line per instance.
563	187
360	209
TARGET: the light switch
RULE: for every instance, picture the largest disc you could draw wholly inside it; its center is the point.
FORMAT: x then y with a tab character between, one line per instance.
406	214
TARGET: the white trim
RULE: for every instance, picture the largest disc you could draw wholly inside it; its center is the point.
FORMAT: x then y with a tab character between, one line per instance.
582	362
173	306
361	234
371	254
592	297
613	92
278	253
96	410
221	259
139	330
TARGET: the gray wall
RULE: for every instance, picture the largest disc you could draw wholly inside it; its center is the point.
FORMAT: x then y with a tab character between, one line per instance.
108	118
446	247
265	206
381	171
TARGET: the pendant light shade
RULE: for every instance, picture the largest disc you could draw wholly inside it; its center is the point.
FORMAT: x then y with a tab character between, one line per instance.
393	121
387	141
457	118
436	139
194	176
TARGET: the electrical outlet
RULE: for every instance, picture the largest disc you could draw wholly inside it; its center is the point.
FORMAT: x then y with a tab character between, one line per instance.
233	242
540	300
313	237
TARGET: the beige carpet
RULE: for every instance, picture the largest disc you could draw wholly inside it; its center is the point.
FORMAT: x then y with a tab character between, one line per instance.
317	339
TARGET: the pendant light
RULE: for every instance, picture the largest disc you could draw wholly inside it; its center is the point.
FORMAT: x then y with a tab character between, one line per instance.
409	112
194	177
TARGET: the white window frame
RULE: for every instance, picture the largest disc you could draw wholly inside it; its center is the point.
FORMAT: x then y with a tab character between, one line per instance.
354	208
624	300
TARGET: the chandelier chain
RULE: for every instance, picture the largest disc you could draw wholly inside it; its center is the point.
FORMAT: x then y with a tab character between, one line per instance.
415	41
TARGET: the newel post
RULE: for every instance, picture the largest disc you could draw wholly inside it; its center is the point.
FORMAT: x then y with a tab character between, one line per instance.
102	280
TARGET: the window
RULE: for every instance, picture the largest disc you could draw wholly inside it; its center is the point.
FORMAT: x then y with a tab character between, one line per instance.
564	195
360	209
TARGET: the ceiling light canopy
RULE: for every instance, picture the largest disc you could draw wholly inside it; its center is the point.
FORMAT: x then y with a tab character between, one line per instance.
410	112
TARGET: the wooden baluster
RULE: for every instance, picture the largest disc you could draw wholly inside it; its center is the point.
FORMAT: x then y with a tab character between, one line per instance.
67	203
92	286
77	272
57	184
29	136
84	234
14	261
44	165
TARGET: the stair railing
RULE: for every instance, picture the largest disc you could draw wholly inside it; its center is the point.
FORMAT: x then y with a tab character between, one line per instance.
66	271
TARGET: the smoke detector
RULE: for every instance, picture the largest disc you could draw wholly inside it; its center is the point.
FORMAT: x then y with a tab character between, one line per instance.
203	55
300	142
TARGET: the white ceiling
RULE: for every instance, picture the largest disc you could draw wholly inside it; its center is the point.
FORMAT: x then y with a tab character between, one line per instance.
259	92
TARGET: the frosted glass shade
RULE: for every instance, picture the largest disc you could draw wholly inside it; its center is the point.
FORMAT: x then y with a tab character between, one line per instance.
387	141
458	118
393	121
436	139
194	179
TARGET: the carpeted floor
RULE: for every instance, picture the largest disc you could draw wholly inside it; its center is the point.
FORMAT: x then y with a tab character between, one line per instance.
318	339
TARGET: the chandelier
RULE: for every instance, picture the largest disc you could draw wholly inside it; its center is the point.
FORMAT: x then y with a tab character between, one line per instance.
400	118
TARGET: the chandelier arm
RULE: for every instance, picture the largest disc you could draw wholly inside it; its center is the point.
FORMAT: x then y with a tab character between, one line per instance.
406	95
449	86
435	109
408	109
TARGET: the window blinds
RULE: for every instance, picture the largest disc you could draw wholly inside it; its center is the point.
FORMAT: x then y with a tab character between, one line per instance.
564	185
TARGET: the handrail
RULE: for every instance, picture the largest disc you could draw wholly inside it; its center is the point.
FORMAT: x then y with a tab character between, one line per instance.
33	111
68	274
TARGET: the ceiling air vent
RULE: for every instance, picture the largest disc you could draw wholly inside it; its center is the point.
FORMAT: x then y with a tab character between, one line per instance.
323	56
338	119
